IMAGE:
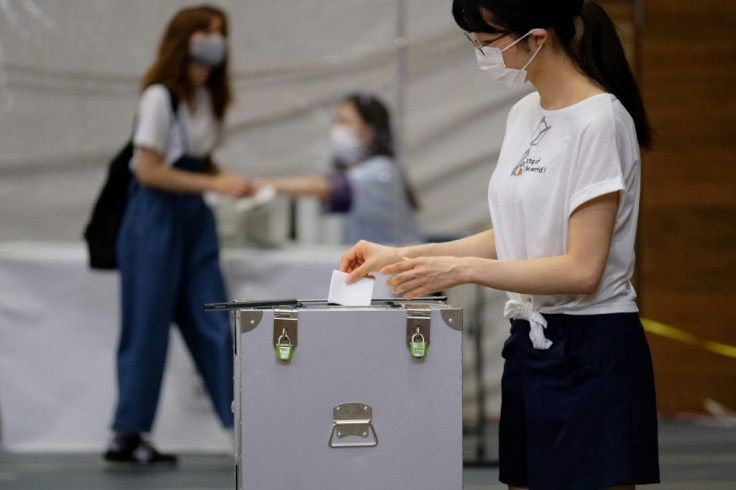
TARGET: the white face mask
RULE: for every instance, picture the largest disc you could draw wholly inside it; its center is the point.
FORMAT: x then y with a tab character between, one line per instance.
345	143
491	62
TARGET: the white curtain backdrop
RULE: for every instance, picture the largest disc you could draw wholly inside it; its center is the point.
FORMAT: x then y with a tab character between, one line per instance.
69	74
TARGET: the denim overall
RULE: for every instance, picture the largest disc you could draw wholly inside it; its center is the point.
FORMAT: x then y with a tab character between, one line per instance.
168	257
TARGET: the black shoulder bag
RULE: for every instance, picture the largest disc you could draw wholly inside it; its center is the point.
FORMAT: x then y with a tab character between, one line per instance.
101	232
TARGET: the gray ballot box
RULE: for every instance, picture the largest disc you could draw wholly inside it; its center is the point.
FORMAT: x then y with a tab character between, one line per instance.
331	397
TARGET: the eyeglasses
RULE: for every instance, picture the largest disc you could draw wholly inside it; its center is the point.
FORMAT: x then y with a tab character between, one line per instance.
479	46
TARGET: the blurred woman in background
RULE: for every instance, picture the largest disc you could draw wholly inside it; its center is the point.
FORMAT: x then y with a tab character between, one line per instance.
167	247
366	185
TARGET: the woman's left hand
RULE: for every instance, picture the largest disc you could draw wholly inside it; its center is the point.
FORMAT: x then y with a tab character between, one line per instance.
423	275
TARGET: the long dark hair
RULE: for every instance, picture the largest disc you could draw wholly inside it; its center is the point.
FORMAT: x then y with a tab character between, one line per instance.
171	65
597	53
374	113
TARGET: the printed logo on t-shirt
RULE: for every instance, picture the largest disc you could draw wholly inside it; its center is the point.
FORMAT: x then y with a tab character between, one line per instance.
527	163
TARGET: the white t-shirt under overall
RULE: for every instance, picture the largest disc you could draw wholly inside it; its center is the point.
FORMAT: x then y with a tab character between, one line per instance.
192	133
550	163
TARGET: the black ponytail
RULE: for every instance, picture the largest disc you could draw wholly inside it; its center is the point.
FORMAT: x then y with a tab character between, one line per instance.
597	52
600	55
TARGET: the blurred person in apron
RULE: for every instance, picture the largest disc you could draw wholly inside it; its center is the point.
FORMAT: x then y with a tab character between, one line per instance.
167	249
366	186
578	401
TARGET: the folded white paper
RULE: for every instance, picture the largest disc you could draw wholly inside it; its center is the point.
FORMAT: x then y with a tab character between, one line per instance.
356	294
263	196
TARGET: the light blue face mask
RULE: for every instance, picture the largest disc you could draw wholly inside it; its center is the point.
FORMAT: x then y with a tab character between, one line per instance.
210	50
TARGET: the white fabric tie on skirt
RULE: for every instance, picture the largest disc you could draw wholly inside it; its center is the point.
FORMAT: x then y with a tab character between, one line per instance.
520	307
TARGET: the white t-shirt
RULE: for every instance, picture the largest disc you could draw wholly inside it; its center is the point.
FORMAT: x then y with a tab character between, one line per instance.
192	133
551	162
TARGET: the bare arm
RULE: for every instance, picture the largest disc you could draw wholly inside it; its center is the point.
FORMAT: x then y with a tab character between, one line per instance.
151	172
366	257
578	271
481	244
297	186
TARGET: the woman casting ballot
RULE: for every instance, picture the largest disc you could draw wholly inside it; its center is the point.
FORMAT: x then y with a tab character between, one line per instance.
578	407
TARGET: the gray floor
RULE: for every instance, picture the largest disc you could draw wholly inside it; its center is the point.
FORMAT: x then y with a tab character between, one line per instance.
692	456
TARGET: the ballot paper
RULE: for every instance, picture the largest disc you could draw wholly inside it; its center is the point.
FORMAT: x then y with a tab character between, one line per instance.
264	195
356	294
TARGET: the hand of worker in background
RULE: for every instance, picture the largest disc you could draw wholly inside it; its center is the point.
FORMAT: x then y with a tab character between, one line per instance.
424	275
366	257
233	186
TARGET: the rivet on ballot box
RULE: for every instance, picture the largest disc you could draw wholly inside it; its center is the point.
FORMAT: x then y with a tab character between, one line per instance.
359	398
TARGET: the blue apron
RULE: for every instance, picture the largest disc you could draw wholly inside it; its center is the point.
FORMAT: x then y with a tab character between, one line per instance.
168	256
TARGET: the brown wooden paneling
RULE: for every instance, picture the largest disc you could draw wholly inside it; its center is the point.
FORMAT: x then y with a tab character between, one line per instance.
686	376
691	251
687	232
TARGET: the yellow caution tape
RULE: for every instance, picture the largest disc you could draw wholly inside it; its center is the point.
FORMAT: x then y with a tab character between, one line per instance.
688	338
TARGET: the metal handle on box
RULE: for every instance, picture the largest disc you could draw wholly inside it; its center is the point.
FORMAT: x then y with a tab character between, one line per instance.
353	419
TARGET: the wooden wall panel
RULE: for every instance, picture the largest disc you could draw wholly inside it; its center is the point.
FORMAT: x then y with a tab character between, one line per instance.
687	233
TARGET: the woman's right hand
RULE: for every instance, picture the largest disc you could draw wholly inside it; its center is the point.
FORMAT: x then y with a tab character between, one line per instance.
366	257
232	185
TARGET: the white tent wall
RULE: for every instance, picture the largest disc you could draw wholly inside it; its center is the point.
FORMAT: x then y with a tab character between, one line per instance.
69	78
69	74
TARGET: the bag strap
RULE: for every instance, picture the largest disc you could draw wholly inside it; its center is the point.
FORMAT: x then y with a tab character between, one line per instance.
174	101
174	104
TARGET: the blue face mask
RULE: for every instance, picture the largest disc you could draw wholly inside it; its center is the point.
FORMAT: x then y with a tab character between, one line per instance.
209	51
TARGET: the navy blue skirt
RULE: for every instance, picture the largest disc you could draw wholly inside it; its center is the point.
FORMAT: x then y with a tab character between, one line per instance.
582	414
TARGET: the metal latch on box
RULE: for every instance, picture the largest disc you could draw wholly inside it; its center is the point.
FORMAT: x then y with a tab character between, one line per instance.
285	332
353	420
417	329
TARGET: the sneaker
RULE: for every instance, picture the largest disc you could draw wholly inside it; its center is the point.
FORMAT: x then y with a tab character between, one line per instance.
133	452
